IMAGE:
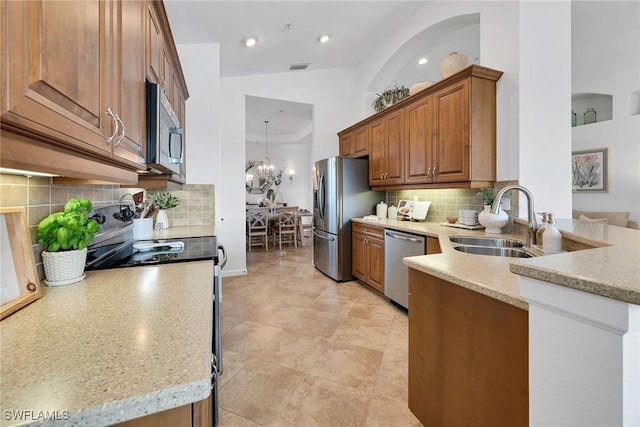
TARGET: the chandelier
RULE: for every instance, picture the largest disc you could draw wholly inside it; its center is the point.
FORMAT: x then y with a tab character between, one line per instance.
263	167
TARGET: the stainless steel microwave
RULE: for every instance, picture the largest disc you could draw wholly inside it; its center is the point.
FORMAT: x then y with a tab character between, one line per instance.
165	141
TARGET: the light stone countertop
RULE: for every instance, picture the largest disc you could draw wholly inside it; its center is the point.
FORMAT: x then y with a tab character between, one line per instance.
611	268
488	275
118	345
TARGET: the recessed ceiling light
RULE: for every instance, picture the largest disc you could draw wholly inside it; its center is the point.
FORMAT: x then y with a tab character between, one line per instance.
249	41
323	38
422	61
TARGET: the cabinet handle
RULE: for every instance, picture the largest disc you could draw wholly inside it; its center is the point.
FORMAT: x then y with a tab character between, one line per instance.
434	171
429	172
123	131
115	131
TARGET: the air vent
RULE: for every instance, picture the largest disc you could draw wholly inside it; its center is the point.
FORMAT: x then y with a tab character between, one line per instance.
299	66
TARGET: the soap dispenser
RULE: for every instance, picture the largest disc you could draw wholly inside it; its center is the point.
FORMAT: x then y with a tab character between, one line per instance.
551	238
541	228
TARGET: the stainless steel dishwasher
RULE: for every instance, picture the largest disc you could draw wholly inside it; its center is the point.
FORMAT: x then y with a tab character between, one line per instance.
398	245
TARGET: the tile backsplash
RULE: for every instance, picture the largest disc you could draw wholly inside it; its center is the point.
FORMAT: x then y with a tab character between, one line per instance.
446	202
40	197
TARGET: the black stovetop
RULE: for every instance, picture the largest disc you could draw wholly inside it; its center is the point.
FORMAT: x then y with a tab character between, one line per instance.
195	249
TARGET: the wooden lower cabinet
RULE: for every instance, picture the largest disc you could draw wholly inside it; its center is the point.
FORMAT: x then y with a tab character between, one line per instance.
368	255
192	415
468	356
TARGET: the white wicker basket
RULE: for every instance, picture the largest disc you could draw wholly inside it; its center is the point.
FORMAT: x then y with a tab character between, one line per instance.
63	268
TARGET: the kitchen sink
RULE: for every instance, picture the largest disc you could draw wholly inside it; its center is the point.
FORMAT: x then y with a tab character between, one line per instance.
491	242
494	251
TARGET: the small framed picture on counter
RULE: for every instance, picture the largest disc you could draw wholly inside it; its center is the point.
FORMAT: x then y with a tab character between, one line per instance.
404	210
589	170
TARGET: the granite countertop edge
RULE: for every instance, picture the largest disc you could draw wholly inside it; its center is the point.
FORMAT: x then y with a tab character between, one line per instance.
606	269
141	405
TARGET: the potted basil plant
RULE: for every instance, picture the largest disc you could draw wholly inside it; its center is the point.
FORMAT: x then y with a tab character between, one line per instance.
65	236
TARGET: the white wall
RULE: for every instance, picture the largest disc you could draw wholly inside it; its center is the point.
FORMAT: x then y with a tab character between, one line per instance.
331	92
606	59
545	105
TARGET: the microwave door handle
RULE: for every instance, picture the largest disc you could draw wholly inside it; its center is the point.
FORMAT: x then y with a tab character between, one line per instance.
176	131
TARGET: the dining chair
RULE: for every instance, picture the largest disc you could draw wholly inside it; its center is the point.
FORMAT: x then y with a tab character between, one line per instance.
287	226
305	229
257	228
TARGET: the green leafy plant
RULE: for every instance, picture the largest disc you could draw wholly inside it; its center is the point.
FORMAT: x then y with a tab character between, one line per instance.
389	97
277	180
486	194
69	230
164	200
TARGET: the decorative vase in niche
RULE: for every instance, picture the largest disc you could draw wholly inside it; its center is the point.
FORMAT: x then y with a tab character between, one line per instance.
162	218
421	85
493	223
452	64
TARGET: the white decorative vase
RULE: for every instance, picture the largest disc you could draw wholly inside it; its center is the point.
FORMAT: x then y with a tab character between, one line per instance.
162	218
493	223
64	268
279	198
421	85
452	64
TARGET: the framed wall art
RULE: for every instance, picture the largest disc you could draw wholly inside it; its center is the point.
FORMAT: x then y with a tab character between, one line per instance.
589	170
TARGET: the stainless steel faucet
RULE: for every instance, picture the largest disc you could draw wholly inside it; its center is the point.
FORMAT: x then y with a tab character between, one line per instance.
533	223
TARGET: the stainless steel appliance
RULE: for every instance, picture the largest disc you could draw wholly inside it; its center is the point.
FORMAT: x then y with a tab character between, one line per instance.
341	192
398	245
165	142
114	247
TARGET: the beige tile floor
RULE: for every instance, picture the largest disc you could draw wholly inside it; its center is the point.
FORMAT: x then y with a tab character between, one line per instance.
302	350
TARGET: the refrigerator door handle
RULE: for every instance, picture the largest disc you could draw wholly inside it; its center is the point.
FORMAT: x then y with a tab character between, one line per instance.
324	236
321	197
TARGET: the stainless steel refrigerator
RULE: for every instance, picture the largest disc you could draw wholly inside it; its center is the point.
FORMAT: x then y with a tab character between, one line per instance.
341	192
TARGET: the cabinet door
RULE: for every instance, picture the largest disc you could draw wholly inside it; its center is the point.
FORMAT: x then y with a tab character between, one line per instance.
346	142
419	162
152	46
377	154
376	264
394	142
131	99
361	142
451	138
358	256
433	245
54	71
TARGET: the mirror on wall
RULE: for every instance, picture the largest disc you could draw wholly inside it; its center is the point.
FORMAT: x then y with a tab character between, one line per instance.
253	182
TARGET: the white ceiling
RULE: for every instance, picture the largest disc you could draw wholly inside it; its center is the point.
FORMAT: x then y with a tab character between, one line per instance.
356	27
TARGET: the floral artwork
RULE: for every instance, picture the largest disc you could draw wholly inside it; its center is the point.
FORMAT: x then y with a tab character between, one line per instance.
589	170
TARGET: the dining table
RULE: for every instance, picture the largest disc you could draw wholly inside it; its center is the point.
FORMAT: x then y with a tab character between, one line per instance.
273	215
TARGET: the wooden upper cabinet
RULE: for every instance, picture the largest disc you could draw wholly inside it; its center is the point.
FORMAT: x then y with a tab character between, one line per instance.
386	150
419	130
345	144
360	142
354	143
81	82
377	153
55	71
451	133
131	100
394	141
443	136
153	45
